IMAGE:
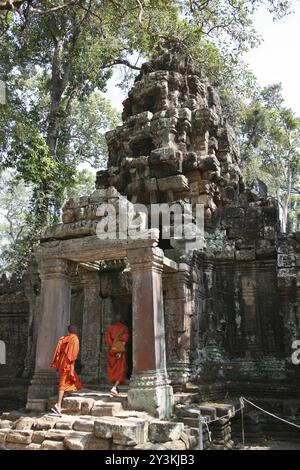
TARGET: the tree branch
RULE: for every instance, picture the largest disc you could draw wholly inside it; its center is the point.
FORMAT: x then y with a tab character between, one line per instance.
121	62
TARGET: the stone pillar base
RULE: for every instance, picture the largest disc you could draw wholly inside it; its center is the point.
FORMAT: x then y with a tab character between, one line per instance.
179	373
151	392
42	387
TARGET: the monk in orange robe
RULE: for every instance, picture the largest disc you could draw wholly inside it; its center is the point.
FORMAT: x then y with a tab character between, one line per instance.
64	358
116	337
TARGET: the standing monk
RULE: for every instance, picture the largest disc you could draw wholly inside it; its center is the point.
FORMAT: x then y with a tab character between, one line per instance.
116	337
64	358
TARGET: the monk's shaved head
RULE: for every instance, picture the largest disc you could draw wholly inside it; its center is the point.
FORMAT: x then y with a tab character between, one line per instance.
72	329
118	317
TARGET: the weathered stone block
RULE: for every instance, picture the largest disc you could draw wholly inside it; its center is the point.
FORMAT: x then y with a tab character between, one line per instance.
15	446
95	443
106	409
38	437
132	430
3	433
45	423
65	424
176	183
19	437
163	431
86	406
33	446
5	424
83	425
175	445
68	216
57	434
245	255
76	440
98	195
52	445
72	405
24	423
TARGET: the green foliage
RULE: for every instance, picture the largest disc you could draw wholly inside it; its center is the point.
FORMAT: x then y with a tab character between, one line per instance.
270	143
83	184
87	124
14	209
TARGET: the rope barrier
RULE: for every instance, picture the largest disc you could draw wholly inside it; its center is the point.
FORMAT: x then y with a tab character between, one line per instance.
205	421
270	414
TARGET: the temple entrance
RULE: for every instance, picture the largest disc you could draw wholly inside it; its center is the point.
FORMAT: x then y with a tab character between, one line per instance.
127	279
124	307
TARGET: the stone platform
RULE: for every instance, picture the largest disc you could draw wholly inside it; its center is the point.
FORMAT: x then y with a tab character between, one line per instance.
93	420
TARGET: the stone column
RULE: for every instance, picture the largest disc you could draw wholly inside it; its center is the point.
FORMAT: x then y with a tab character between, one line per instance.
178	313
54	319
149	388
91	328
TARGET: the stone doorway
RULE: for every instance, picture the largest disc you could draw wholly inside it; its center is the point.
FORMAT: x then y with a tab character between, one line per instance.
149	387
124	307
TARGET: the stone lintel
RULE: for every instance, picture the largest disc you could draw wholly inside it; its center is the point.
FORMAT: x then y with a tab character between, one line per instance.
92	248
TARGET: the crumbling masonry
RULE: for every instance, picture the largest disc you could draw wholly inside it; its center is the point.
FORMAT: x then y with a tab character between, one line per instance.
222	318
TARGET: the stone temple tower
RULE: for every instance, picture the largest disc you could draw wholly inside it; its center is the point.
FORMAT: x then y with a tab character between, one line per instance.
174	143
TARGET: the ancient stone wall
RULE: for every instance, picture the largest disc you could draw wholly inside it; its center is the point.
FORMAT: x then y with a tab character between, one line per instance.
14	315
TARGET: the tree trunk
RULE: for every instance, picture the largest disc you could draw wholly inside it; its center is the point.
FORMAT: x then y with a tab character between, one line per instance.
286	199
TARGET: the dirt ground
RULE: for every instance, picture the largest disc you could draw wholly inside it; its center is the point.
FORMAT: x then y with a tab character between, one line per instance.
271	445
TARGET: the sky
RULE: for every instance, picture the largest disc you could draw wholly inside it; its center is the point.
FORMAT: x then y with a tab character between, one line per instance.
277	59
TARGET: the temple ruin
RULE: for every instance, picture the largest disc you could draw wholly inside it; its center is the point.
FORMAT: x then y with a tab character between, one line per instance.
219	321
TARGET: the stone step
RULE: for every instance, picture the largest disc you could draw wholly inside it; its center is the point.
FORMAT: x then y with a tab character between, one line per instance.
183	398
222	409
91	403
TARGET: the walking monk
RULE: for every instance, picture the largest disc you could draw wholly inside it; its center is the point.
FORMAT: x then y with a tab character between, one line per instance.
116	336
64	358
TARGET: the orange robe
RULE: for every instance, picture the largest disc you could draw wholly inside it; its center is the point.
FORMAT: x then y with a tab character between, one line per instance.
64	358
116	368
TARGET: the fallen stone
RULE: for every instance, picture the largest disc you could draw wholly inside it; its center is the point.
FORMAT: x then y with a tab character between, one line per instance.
163	431
15	446
72	405
106	409
5	424
86	406
57	434
33	446
19	437
83	425
175	445
3	433
130	430
52	445
46	423
96	443
76	440
38	437
23	423
65	424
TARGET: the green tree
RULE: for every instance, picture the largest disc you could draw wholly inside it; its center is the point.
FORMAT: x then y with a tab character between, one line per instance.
84	183
14	211
270	145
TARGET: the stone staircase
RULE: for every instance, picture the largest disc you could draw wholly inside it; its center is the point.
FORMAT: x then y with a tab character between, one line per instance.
92	420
